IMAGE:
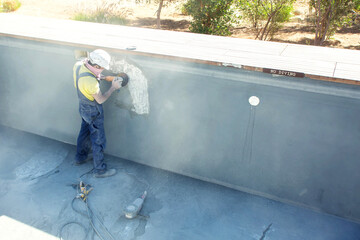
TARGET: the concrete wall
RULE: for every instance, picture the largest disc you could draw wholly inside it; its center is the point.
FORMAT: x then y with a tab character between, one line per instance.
299	145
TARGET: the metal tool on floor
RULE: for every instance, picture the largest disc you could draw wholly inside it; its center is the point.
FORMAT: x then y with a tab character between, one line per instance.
84	190
133	209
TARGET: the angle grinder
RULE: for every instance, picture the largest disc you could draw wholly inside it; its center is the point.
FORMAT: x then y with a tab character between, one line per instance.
109	76
134	208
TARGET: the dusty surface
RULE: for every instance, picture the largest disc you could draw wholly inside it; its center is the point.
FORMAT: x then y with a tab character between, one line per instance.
143	14
176	207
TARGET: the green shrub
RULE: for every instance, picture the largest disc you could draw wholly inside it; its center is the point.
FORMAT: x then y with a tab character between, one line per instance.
106	12
329	16
9	5
210	16
357	4
266	16
100	17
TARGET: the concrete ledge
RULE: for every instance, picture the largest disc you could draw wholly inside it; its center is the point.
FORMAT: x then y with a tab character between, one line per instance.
321	63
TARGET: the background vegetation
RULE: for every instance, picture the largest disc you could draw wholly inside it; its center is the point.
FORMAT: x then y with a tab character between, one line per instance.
104	12
9	5
329	16
211	16
266	16
315	22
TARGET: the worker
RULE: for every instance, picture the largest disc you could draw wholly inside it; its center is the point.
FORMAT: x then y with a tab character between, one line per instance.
87	74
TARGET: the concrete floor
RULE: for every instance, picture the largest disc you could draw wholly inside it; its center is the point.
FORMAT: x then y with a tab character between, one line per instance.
35	173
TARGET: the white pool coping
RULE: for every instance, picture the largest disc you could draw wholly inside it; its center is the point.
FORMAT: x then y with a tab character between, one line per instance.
323	63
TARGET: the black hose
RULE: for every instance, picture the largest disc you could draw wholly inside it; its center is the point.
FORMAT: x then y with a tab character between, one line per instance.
93	226
101	223
90	213
87	173
77	223
75	210
89	216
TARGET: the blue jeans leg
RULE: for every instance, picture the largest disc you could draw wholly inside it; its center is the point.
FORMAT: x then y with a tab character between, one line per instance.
83	142
92	130
98	140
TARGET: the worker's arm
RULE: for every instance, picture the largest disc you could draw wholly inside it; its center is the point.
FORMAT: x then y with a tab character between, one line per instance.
124	76
109	78
101	98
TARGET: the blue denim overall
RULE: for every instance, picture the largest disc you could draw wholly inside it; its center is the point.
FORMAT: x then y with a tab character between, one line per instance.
92	132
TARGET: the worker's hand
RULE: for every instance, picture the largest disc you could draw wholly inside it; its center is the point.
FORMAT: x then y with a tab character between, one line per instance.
125	78
116	83
109	78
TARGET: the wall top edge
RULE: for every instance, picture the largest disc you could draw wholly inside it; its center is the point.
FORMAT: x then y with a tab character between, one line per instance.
321	63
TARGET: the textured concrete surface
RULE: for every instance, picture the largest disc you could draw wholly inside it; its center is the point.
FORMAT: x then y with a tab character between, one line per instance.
177	207
201	124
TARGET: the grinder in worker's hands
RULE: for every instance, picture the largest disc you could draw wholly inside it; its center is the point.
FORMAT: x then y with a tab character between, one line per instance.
110	76
125	78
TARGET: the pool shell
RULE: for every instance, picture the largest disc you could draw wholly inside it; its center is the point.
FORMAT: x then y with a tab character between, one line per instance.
299	145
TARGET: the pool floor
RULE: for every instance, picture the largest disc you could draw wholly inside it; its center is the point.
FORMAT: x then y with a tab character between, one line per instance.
36	177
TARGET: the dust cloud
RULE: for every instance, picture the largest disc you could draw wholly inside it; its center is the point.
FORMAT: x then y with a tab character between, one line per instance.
137	86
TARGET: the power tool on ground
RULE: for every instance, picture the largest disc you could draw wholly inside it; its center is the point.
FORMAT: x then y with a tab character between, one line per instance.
133	209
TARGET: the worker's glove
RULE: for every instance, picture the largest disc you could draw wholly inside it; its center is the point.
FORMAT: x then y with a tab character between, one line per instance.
118	79
116	83
125	78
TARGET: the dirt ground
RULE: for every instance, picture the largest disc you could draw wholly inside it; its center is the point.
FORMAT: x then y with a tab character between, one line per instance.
143	14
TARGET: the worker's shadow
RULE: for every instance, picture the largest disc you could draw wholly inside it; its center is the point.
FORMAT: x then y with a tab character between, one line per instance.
120	98
123	99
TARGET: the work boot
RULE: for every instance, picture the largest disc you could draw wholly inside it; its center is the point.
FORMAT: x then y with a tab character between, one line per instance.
77	163
108	173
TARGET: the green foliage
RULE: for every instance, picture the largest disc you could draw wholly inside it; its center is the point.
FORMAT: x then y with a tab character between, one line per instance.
100	17
266	16
210	16
9	5
105	12
329	15
252	11
356	4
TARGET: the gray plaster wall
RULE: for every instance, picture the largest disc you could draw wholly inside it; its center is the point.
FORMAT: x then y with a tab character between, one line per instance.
299	145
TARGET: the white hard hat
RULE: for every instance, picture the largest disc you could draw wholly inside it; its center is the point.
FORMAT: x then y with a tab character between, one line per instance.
101	58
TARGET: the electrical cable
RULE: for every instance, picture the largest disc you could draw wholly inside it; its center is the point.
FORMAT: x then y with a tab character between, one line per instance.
87	173
73	222
102	224
127	172
56	170
90	215
75	210
77	223
87	210
92	224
